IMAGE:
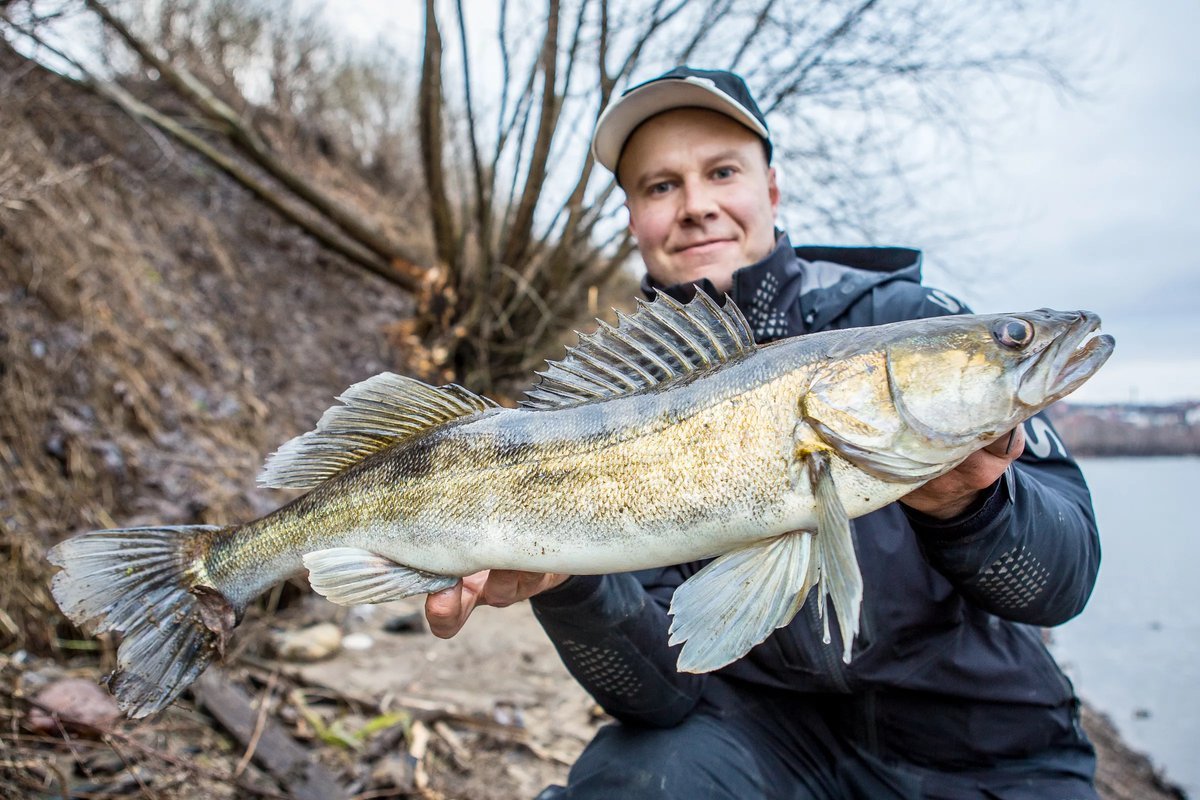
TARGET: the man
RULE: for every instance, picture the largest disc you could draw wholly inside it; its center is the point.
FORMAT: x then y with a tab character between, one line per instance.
950	692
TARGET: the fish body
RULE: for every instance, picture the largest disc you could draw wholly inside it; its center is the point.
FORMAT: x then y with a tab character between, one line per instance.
633	482
668	439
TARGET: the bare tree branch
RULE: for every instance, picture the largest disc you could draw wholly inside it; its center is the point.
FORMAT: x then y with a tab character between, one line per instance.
432	139
517	235
252	144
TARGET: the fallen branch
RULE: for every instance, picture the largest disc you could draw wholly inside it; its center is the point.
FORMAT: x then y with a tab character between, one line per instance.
108	734
253	146
292	765
400	272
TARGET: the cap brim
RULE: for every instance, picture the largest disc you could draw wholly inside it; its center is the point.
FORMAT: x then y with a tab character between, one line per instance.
621	118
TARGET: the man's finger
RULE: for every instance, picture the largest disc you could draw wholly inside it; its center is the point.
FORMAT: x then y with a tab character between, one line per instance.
503	588
1010	446
446	611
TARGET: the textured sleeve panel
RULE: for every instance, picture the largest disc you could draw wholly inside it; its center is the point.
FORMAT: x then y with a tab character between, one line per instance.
611	633
1029	551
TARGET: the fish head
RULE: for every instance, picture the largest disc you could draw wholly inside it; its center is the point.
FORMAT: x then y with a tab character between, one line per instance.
907	401
961	382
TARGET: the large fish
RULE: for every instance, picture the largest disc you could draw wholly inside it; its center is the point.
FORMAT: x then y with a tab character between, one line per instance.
669	438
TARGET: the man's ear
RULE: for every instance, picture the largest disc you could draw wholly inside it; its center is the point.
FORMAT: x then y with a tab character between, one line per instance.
629	211
773	190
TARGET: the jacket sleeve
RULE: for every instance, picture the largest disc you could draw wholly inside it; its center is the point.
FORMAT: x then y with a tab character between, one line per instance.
611	633
1028	550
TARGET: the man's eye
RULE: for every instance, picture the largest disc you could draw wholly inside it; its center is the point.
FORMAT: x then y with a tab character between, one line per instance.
720	173
660	188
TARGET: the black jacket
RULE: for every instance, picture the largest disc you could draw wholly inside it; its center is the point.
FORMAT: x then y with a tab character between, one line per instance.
949	668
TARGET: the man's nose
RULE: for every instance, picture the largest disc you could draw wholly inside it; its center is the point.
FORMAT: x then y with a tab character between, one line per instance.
699	202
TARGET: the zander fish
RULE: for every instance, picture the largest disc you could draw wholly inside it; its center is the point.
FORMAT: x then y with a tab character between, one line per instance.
669	438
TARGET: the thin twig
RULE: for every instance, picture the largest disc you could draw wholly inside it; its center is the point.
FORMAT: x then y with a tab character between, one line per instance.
259	724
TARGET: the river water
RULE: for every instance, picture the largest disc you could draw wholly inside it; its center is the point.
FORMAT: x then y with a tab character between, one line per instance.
1134	653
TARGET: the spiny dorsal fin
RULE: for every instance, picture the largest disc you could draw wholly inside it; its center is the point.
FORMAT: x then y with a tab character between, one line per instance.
663	340
376	413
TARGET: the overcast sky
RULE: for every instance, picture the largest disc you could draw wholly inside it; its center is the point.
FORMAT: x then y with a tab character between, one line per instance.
1104	197
1090	203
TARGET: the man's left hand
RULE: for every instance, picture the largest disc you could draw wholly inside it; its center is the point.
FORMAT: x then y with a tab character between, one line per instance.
949	495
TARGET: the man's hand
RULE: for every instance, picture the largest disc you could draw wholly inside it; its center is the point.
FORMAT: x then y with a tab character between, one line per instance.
447	610
951	494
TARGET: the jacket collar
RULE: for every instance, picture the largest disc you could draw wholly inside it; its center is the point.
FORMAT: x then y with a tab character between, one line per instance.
797	290
756	289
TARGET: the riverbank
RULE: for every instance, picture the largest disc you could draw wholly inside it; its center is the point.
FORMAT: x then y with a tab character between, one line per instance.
489	715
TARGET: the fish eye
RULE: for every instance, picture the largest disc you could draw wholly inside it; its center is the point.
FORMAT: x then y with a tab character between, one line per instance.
1013	333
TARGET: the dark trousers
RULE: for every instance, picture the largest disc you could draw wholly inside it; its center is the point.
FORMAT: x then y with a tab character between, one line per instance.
767	745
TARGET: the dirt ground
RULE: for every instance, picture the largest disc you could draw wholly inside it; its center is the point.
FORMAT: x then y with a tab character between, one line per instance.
162	333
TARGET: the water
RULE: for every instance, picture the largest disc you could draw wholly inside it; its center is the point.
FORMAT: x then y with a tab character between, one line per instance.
1134	653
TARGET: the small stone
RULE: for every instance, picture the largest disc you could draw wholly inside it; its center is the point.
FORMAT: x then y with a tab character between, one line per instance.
357	641
307	644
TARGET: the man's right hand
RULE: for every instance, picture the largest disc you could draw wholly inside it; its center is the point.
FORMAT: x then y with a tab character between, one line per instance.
448	610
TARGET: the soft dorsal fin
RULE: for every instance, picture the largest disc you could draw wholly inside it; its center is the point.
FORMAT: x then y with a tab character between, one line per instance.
376	413
663	340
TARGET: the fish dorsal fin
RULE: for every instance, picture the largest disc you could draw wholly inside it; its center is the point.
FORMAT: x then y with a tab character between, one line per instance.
375	413
661	341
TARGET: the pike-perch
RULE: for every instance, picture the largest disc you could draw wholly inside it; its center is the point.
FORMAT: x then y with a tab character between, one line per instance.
669	438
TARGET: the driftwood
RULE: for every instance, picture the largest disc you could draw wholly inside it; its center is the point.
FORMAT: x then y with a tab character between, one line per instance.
272	748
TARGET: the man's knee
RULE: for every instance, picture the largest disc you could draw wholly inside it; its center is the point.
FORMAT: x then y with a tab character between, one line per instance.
697	758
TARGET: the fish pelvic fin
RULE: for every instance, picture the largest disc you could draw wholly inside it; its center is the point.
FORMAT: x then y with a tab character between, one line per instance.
349	576
738	599
834	557
150	586
374	414
662	341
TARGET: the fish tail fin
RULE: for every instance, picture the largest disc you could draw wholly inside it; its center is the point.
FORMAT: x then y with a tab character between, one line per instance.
151	586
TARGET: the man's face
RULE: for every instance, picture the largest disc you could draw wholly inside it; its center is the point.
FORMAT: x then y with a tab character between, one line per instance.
700	195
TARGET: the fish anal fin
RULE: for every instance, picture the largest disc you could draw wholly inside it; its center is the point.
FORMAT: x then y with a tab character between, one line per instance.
374	414
351	576
738	599
662	341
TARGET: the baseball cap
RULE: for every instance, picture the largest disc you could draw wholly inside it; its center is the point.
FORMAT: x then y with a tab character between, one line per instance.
717	90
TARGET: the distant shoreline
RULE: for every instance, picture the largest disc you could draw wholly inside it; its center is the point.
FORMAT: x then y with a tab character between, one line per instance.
1137	430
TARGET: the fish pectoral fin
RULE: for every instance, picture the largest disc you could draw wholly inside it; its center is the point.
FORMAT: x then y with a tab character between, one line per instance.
738	599
834	558
350	576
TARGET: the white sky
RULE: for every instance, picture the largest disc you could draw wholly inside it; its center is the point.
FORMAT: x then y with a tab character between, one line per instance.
1103	195
1091	203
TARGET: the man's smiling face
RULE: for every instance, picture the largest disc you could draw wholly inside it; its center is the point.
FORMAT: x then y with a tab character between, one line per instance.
701	197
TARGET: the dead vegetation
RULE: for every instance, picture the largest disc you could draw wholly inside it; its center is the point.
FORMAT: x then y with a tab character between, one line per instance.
152	353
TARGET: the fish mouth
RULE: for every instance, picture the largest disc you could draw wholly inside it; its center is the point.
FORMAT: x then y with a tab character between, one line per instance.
1076	355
